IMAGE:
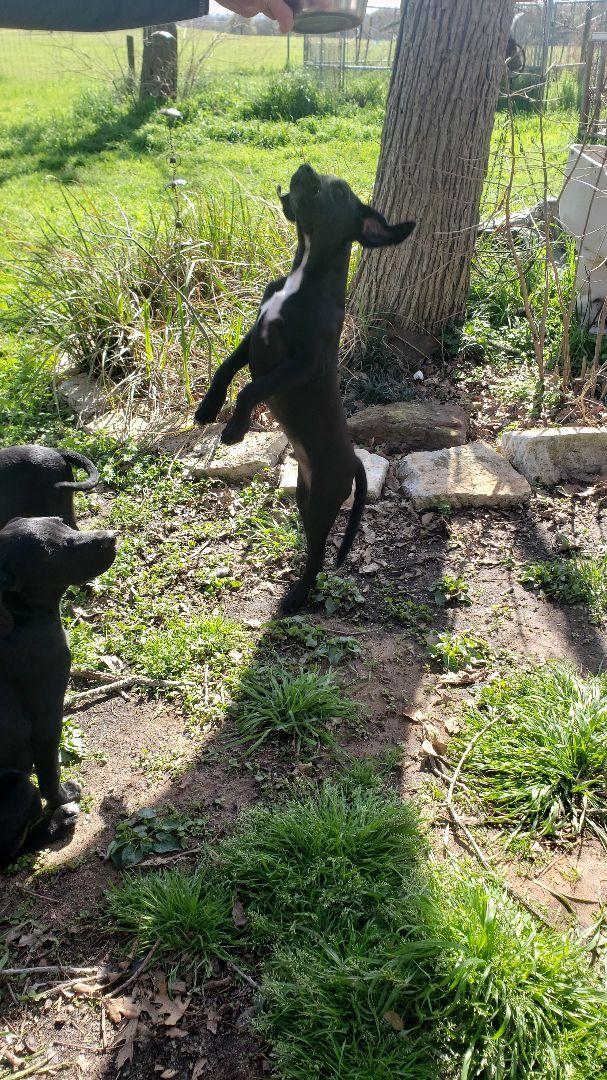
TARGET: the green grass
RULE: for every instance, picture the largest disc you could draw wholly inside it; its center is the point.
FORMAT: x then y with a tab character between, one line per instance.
187	916
539	757
323	861
580	581
374	963
299	706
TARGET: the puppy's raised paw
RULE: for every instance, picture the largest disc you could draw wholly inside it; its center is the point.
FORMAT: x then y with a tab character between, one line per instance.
64	819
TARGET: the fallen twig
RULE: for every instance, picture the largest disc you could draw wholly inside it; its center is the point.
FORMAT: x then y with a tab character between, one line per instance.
87	697
139	971
57	969
478	851
243	975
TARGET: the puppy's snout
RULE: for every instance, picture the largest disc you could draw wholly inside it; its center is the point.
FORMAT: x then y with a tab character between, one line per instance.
305	180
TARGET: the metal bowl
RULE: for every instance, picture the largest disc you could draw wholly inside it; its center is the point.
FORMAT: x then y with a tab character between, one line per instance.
339	15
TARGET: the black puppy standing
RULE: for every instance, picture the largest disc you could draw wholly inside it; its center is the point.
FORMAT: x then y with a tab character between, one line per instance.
39	559
292	354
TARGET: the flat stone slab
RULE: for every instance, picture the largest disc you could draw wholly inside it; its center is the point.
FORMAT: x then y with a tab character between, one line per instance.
472	475
82	396
376	468
202	454
549	455
411	425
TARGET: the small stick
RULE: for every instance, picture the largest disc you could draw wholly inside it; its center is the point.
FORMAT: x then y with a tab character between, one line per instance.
58	969
482	858
162	860
103	1030
89	696
243	975
140	970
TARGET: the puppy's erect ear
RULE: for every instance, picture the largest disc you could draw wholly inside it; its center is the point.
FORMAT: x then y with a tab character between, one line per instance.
286	204
6	619
375	231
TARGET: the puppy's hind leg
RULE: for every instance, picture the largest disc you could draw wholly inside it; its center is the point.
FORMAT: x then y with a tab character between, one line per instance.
323	505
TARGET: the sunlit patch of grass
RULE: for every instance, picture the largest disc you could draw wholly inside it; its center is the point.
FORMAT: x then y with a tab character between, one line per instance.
581	580
274	702
539	755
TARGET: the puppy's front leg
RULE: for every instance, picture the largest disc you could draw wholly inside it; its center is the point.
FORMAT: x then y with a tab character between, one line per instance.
298	369
214	398
45	744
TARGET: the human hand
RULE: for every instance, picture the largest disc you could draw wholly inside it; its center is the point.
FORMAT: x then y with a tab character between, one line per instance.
274	9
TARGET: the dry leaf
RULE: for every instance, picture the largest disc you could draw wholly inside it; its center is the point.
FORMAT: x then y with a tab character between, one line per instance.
177	1033
168	1073
126	1036
395	1021
428	749
171	1009
434	736
199	1068
87	989
120	1007
238	914
452	727
369	568
213	1019
82	1064
31	1043
416	716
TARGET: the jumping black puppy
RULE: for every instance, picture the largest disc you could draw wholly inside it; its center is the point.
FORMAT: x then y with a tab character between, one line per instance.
292	354
39	559
37	481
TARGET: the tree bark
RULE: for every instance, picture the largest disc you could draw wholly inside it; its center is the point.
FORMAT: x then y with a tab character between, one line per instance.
435	147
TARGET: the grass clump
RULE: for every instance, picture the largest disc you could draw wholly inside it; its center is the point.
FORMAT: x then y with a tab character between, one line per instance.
540	758
273	701
187	915
290	96
323	861
374	966
581	580
416	618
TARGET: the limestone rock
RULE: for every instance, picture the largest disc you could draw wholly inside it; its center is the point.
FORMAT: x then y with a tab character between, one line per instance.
548	455
82	395
287	481
472	475
376	468
411	425
202	454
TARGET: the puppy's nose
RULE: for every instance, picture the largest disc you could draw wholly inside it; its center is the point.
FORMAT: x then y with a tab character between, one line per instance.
305	178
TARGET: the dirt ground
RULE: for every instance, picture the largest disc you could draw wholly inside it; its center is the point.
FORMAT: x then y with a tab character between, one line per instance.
142	753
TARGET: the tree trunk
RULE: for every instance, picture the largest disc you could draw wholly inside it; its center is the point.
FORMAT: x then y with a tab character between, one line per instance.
435	147
159	62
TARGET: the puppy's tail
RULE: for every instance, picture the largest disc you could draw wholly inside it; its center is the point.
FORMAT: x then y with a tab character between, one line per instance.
72	457
360	495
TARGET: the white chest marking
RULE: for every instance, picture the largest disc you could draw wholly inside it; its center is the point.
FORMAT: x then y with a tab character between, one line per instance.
271	309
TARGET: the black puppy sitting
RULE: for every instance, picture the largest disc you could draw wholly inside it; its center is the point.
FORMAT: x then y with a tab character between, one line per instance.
37	481
39	559
292	354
